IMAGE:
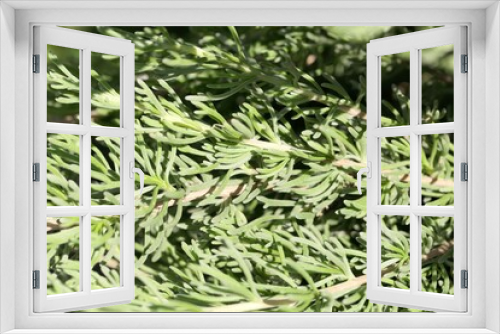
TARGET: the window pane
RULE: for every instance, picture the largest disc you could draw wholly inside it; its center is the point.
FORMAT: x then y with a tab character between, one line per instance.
395	171
437	169
63	255
395	90
63	85
105	241
105	171
63	170
437	254
105	89
437	84
395	252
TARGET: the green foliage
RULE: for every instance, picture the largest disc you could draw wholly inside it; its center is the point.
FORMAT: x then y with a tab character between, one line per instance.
250	139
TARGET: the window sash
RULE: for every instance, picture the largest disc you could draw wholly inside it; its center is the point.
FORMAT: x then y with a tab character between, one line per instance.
86	43
414	42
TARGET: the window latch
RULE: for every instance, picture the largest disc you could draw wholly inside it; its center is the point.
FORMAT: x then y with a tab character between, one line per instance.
368	171
133	170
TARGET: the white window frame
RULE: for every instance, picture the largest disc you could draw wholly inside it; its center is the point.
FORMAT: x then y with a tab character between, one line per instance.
484	103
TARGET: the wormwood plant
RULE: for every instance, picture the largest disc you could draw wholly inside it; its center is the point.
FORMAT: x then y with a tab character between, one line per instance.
250	139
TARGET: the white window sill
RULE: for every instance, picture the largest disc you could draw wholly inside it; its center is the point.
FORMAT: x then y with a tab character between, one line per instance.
249	331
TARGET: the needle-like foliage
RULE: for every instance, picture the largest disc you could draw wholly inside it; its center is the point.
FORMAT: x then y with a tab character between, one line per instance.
250	139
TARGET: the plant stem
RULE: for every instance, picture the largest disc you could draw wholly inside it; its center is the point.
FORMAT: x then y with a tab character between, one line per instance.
340	288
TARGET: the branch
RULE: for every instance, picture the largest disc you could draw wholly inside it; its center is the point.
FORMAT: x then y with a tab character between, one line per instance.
53	225
438	251
270	146
340	288
235	190
354	112
228	191
344	163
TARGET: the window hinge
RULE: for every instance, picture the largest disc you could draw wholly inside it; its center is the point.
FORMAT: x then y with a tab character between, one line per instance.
465	64
36	172
36	63
464	171
36	279
464	279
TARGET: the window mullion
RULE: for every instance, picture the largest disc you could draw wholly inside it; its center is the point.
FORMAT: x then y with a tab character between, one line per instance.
85	247
106	131
415	92
421	211
66	211
109	210
69	129
85	151
85	154
420	129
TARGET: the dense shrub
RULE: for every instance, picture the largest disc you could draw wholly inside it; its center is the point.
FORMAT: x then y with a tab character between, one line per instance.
250	139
